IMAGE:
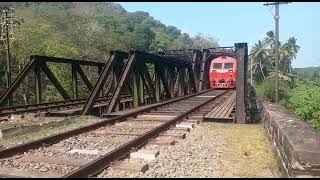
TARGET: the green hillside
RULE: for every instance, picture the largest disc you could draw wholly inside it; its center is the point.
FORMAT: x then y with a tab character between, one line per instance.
84	30
307	73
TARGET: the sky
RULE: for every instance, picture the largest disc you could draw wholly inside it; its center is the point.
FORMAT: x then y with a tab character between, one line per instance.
232	22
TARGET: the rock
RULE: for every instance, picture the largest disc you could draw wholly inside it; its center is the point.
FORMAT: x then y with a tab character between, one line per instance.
44	169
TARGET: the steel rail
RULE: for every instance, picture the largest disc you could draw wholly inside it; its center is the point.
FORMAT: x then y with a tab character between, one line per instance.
99	164
48	106
61	136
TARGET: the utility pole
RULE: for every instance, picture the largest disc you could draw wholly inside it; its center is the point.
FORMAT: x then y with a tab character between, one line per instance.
276	18
8	21
251	72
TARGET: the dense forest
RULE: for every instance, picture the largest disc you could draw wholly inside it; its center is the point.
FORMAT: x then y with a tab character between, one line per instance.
299	89
83	30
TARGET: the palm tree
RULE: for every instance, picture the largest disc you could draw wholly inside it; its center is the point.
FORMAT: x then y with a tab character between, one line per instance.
293	48
263	60
270	39
289	52
258	55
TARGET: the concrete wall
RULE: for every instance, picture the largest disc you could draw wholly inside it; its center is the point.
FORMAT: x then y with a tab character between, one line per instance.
297	145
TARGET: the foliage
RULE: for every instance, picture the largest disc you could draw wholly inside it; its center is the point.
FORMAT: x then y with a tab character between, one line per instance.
83	30
307	73
263	63
265	89
262	57
299	89
304	100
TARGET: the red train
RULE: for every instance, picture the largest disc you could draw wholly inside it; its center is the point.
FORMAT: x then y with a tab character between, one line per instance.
223	73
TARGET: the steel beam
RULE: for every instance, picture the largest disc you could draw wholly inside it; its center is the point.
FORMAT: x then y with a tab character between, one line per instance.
83	76
116	77
185	81
151	58
135	89
205	81
180	83
192	81
164	82
67	61
74	81
125	75
55	81
157	82
99	73
140	87
203	62
99	84
9	91
146	78
176	82
194	78
37	80
171	73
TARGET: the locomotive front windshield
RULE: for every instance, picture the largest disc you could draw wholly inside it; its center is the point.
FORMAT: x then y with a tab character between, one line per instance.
223	73
217	65
228	65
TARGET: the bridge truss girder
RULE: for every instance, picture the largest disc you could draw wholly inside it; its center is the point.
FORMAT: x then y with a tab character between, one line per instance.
148	77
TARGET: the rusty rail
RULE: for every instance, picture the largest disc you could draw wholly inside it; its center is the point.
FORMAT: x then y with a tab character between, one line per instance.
102	162
58	137
48	106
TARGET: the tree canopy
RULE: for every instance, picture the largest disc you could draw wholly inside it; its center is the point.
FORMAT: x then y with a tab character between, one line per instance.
84	30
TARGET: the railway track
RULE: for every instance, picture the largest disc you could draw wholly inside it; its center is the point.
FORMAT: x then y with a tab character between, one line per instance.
85	151
53	106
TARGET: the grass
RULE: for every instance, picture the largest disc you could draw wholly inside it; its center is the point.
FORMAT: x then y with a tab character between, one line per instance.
74	123
248	152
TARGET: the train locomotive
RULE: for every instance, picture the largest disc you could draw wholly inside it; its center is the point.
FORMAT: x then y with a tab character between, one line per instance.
223	73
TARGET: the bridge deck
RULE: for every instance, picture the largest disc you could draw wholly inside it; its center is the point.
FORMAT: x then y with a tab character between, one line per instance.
223	111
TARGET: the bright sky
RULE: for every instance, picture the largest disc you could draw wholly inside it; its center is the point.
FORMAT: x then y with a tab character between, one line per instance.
232	22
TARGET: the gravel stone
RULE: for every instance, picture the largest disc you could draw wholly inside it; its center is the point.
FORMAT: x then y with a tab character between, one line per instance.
200	154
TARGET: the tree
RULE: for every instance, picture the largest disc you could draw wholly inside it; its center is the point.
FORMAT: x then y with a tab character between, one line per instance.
263	63
86	31
182	42
201	41
262	58
141	38
315	77
258	55
161	41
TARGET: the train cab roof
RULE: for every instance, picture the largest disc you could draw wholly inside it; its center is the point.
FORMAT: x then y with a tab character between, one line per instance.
223	59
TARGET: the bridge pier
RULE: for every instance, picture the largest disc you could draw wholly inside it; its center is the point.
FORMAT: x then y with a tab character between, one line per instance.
241	101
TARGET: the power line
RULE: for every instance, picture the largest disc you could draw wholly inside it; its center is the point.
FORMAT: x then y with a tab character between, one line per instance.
276	17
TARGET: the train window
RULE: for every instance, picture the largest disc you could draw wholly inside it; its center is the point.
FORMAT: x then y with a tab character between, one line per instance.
228	65
217	65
